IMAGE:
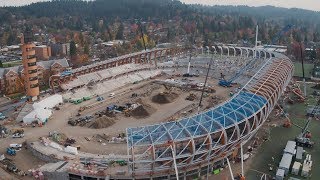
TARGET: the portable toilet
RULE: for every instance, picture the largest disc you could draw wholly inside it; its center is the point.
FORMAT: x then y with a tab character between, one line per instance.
280	174
296	168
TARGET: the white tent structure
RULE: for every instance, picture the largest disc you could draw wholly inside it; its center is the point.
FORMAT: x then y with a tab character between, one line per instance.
40	115
42	110
49	102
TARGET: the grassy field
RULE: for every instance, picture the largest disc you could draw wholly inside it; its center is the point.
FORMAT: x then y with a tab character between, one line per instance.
279	138
12	63
298	69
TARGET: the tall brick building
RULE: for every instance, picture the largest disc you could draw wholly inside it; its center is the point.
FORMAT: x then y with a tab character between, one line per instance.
30	68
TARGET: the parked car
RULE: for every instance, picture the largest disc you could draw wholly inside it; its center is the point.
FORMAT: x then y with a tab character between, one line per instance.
18	135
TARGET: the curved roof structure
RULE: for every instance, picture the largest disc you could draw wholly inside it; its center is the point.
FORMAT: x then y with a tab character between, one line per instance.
240	107
195	143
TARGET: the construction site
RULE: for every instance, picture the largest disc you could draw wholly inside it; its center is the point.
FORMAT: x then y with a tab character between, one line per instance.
160	114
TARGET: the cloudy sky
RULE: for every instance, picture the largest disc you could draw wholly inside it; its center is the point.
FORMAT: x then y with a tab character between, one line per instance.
304	4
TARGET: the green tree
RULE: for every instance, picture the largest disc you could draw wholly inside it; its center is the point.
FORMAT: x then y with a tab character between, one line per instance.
73	48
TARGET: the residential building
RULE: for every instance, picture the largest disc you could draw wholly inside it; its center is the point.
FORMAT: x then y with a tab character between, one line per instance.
60	50
12	79
43	52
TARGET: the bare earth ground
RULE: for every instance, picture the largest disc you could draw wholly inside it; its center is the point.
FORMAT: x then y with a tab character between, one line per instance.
164	112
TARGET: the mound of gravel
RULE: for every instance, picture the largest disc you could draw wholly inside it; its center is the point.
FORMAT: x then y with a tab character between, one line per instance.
164	98
101	122
142	111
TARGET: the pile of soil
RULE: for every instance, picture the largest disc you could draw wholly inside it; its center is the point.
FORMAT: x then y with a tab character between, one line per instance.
101	122
164	98
142	111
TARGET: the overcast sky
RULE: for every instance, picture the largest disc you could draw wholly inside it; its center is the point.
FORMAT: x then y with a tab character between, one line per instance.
304	4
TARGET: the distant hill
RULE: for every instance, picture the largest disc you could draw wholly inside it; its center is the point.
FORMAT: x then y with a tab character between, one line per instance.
226	23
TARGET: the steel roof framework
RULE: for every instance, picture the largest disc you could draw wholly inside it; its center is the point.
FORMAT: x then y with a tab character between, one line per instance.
205	137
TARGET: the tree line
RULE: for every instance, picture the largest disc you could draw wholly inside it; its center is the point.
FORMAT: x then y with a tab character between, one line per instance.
211	23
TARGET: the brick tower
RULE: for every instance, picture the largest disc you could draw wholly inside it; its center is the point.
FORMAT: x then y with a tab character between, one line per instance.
30	65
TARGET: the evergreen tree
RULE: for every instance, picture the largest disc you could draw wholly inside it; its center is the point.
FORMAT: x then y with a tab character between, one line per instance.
73	49
119	34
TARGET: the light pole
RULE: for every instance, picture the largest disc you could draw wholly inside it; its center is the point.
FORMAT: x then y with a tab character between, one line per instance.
303	76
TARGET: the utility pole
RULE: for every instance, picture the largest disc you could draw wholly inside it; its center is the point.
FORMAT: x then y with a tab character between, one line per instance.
303	75
205	82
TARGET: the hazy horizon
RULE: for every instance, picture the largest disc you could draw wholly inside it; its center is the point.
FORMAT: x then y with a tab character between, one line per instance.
305	4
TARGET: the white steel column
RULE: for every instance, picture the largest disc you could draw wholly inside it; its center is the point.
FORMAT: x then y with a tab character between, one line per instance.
232	177
174	161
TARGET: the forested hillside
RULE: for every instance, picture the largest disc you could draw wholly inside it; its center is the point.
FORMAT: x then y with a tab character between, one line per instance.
211	23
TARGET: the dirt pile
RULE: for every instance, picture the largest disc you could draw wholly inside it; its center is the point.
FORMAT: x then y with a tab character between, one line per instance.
142	111
164	98
101	122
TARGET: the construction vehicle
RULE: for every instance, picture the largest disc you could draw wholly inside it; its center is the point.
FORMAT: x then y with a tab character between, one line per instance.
191	97
11	151
12	168
17	130
239	177
303	139
100	98
228	83
72	122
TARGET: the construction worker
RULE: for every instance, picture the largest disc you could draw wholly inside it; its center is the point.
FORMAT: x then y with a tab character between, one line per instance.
222	76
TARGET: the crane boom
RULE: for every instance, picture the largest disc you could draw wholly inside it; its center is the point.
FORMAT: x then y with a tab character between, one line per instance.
227	83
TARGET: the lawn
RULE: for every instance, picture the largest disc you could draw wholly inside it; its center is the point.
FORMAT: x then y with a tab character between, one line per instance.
279	138
12	63
307	69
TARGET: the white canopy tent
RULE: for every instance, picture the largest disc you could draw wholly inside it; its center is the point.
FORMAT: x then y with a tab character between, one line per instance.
40	115
49	102
42	110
